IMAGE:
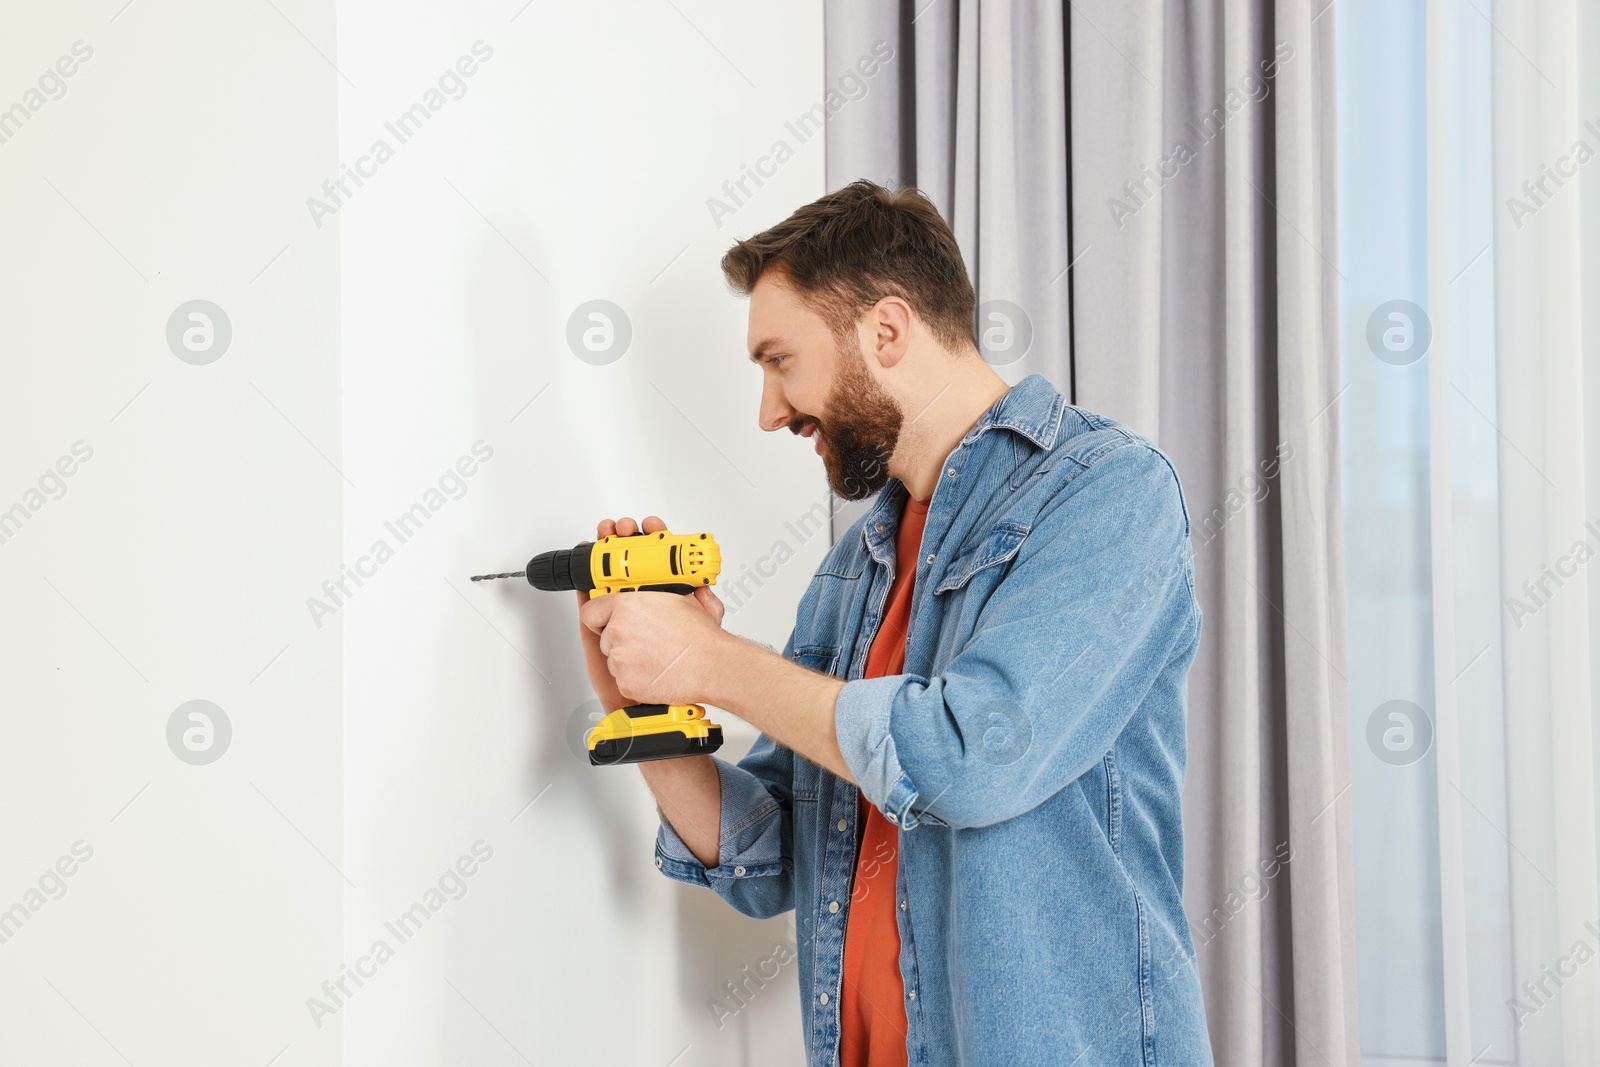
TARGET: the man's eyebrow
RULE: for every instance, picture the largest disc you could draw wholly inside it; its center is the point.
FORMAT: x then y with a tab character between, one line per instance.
763	348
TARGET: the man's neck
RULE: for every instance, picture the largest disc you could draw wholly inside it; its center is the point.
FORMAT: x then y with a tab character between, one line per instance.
937	421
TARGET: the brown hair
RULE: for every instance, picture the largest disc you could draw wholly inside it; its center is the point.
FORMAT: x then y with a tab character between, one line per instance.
856	245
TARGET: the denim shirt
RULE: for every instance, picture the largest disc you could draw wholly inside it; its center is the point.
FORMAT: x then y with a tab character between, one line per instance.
1031	754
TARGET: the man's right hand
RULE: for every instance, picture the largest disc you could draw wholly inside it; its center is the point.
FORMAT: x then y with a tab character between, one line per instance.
600	679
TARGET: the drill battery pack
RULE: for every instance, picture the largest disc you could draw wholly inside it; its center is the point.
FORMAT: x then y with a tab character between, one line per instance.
652	731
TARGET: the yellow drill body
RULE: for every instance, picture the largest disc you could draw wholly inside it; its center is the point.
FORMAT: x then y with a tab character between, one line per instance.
620	564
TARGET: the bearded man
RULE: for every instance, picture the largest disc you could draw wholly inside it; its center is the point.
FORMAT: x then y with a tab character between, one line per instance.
968	781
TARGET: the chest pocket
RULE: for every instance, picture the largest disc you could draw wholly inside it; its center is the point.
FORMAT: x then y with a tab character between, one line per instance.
846	565
998	546
817	657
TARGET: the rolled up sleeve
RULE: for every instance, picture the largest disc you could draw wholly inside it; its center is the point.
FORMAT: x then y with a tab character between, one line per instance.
861	719
755	851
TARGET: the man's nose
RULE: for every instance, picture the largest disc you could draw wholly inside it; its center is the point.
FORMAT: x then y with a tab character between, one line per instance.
776	412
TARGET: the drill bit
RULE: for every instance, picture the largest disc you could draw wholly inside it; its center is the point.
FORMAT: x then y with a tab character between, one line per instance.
507	574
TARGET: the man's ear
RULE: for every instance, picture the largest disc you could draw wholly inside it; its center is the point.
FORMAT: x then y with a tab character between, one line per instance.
889	326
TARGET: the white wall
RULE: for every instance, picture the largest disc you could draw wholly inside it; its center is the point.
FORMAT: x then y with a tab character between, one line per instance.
575	167
175	565
372	346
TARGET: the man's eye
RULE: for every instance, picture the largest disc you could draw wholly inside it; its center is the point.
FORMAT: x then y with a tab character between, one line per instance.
775	360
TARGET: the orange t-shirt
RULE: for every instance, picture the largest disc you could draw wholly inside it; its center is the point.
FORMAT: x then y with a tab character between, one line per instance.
872	1015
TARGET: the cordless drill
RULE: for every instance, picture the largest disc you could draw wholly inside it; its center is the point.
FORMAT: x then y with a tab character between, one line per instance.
651	562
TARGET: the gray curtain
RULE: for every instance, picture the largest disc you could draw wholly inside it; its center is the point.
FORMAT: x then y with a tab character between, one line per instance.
1179	159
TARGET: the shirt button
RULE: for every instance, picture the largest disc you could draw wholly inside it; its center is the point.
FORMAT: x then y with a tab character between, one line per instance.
912	994
738	872
822	998
843	826
951	473
902	905
878	527
892	817
833	906
930	557
658	861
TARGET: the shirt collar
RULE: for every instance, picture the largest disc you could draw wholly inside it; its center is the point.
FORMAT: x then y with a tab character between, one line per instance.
1033	408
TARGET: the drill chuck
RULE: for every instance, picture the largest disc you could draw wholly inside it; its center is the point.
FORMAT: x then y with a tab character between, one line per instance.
560	569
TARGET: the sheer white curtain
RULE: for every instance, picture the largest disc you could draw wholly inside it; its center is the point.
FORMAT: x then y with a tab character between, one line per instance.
1548	415
1478	912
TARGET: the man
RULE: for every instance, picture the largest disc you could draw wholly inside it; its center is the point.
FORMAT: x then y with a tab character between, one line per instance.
972	751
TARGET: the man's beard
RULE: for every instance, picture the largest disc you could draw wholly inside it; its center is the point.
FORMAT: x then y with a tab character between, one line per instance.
861	430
